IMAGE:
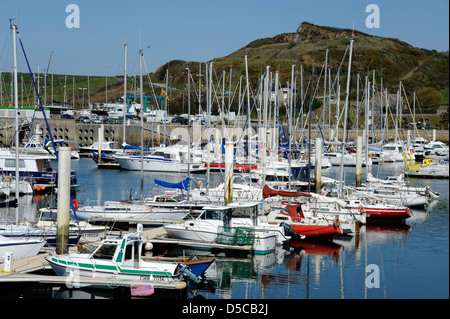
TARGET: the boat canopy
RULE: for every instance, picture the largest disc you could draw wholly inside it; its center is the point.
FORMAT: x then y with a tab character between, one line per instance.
181	185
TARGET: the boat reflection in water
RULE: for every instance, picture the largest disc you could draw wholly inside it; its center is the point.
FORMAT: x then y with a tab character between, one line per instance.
298	271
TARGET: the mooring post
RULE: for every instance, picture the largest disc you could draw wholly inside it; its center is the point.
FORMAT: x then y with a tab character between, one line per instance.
63	210
100	141
318	165
228	189
359	161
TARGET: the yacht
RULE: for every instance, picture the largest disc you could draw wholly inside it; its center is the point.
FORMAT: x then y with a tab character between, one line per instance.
34	168
173	158
392	152
107	148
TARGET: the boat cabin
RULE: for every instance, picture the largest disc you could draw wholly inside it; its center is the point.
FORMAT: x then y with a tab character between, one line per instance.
246	210
126	250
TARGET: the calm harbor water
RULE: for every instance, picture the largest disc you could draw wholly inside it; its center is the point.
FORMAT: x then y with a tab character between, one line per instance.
401	261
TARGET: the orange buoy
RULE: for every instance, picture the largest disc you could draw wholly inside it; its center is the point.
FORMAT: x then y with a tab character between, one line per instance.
75	203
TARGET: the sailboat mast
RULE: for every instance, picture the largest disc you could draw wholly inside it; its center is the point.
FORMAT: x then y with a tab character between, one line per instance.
366	125
347	94
16	104
52	79
264	131
142	124
291	107
125	97
208	114
189	132
275	113
249	129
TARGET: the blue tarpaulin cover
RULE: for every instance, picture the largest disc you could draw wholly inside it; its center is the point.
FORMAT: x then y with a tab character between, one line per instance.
181	185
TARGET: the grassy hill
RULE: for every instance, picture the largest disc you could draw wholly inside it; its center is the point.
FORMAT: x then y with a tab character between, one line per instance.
393	60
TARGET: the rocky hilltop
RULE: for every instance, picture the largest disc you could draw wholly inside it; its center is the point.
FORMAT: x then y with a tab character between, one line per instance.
392	59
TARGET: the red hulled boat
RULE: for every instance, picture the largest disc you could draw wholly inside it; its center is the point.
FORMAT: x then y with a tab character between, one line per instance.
293	216
383	212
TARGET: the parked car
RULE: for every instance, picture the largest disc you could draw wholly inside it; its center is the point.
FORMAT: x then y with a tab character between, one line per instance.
179	120
97	120
85	119
67	116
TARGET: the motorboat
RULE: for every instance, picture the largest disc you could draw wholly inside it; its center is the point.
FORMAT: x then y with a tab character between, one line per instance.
248	213
392	152
34	168
436	149
349	159
121	258
34	146
173	158
109	147
428	168
60	143
216	224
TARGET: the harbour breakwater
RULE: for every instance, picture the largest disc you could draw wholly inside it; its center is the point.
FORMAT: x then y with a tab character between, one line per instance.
78	134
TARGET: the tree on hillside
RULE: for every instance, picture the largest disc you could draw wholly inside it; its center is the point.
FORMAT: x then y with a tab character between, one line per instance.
429	96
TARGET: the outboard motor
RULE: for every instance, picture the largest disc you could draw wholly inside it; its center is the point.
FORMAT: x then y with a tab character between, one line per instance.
187	274
290	232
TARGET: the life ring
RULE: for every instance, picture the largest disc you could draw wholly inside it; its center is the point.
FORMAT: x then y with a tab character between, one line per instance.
75	203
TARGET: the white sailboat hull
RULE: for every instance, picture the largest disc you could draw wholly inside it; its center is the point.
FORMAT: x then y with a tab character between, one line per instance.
119	210
20	247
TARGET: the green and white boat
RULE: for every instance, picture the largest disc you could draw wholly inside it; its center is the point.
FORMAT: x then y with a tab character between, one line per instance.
120	258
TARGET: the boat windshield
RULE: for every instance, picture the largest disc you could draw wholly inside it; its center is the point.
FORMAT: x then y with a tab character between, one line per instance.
219	214
245	212
106	251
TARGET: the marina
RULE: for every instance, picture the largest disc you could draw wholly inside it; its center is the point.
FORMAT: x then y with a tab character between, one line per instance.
410	254
319	170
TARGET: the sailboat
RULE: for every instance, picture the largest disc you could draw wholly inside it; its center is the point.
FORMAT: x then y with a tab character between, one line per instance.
20	248
25	246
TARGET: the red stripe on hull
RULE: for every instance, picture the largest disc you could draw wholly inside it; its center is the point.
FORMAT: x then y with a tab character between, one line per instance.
386	213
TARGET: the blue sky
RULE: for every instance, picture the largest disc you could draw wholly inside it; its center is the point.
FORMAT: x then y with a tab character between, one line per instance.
196	30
